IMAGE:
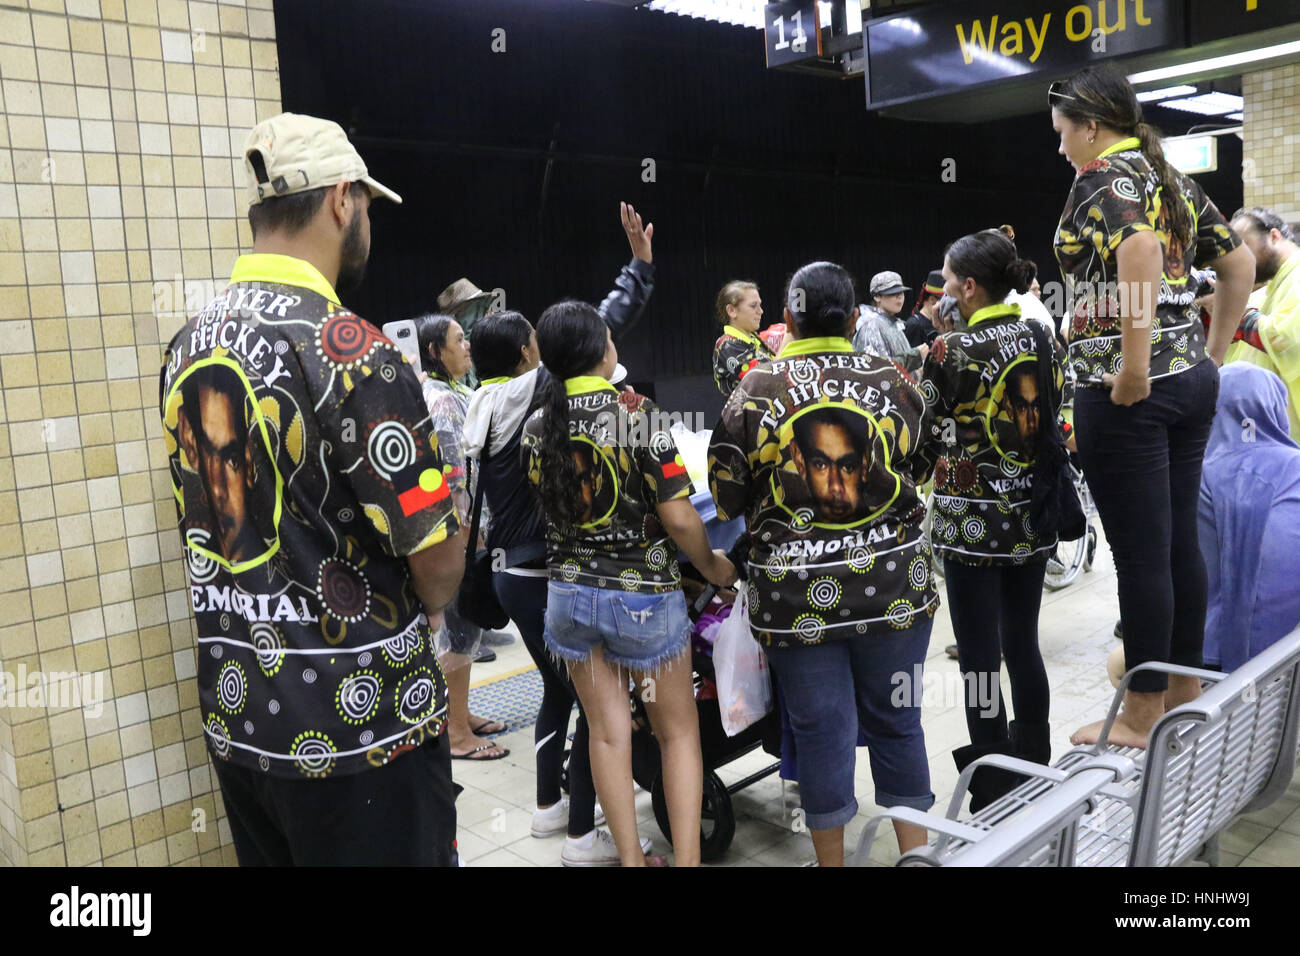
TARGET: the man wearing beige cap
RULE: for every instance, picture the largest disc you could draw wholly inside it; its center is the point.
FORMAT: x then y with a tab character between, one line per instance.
318	532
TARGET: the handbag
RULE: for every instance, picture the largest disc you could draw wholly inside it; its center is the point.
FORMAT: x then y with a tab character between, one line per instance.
476	601
1054	507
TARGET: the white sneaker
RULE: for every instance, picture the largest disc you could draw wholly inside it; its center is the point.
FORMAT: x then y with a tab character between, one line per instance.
597	848
555	818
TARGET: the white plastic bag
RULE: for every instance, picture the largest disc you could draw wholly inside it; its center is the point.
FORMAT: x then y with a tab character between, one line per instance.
740	671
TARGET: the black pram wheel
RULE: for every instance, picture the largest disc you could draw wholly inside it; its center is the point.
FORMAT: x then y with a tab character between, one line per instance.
717	819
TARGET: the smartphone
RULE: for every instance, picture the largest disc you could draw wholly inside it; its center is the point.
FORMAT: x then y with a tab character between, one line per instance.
402	334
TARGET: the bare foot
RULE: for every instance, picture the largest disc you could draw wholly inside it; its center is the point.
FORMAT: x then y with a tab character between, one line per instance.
1121	734
1182	690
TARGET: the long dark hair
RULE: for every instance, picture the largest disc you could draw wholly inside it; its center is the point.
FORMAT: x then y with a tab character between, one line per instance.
497	342
821	298
989	257
571	337
431	336
1103	94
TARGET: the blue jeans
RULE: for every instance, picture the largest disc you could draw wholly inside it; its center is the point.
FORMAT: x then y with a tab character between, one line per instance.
830	689
636	631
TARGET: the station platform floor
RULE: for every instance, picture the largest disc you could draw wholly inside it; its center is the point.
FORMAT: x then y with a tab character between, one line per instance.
1076	634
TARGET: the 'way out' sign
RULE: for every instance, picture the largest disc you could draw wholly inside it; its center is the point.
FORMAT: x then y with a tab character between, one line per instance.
935	51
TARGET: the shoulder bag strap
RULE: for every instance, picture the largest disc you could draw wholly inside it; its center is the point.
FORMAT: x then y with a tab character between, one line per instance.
476	511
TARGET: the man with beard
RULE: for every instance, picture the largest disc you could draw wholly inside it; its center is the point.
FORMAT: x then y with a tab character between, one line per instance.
308	431
1269	335
830	452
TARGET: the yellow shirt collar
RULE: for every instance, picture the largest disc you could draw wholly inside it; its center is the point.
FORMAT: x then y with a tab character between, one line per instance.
743	336
1124	144
826	343
282	270
581	384
999	311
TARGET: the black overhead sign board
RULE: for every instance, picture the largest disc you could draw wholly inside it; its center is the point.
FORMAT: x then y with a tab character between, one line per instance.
792	32
955	47
1215	19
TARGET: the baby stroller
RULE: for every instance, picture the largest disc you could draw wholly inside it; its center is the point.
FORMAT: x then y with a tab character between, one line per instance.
717	819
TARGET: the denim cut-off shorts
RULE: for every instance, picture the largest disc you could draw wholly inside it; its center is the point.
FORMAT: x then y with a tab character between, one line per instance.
637	631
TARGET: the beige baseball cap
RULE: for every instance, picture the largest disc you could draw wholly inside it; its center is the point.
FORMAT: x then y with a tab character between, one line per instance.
295	153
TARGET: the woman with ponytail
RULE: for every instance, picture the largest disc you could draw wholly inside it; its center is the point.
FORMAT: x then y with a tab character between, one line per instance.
617	501
983	389
506	357
819	450
1132	229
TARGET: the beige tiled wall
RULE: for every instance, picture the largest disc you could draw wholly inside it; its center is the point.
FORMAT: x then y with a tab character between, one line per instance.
118	123
1271	170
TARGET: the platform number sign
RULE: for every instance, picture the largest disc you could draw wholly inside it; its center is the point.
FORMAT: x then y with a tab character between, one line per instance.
792	31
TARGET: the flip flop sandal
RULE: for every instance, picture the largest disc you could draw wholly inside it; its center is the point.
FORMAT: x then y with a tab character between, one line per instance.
478	750
482	729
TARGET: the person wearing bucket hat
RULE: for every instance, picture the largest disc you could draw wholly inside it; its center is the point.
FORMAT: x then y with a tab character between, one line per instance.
921	328
467	303
880	331
299	424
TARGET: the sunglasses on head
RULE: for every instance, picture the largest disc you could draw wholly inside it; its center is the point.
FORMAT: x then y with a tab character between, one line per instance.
1055	92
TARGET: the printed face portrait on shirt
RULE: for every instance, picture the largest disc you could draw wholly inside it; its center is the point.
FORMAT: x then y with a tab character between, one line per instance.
831	450
1013	417
213	429
596	482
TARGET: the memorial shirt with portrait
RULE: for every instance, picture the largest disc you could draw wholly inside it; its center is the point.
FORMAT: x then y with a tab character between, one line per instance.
818	450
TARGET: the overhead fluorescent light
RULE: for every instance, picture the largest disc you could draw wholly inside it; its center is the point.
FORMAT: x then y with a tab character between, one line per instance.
1166	93
1216	63
1207	104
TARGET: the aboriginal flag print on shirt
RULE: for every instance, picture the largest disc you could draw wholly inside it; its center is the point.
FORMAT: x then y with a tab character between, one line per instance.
818	449
981	387
1113	197
627	465
304	472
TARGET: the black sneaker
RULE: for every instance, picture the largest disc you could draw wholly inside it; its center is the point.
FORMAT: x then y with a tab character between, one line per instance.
951	651
1119	630
485	656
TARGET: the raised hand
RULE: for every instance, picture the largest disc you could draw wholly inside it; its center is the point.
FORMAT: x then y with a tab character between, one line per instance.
638	238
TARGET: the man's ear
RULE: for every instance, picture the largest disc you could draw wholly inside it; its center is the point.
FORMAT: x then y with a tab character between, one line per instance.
186	436
340	202
796	454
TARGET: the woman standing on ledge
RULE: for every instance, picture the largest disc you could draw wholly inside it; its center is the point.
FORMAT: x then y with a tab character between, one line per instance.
1132	228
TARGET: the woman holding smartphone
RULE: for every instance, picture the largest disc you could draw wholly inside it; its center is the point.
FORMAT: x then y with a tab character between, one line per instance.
1132	228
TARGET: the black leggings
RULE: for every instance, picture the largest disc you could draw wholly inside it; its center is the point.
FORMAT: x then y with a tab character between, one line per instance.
1143	466
995	609
524	599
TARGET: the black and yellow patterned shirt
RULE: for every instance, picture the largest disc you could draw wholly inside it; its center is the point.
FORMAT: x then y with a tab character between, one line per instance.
304	472
1113	197
627	463
734	354
981	387
819	450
